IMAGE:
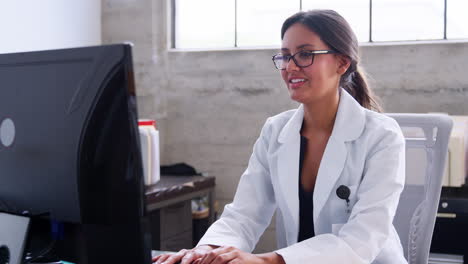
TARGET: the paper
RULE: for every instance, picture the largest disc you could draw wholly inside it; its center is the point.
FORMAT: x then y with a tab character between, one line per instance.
13	231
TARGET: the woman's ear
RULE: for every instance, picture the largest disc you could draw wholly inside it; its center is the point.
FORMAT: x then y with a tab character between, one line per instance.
343	63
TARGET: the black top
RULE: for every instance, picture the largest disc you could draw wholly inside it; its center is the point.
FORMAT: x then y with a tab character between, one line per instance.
306	205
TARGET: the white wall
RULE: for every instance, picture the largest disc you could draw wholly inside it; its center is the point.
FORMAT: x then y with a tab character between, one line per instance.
27	25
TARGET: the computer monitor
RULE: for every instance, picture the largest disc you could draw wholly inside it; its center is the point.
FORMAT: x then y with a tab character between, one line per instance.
70	150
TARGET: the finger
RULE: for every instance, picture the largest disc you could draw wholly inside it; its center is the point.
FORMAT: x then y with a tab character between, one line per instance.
189	257
175	257
161	258
197	261
225	258
202	250
210	256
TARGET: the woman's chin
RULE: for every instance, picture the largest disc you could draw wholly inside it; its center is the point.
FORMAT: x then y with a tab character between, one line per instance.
296	97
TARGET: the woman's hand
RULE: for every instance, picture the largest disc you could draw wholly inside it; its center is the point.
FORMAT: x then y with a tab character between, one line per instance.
232	255
185	256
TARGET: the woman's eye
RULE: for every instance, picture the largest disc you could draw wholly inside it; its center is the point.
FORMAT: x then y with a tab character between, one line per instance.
305	55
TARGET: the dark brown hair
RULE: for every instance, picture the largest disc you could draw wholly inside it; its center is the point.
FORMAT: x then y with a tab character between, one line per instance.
335	31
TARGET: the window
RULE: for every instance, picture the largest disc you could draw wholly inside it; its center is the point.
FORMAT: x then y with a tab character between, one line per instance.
457	20
356	12
394	20
259	22
204	23
252	23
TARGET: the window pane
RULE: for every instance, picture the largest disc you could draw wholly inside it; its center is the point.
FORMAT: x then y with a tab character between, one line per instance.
356	12
407	19
204	23
259	21
457	19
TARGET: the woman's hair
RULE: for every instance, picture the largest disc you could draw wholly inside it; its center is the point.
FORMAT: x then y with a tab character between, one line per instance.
338	35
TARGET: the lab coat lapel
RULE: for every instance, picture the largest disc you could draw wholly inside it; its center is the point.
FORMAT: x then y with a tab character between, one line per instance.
288	170
349	124
331	166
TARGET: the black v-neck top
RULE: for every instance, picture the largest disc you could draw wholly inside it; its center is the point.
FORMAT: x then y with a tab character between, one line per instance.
306	204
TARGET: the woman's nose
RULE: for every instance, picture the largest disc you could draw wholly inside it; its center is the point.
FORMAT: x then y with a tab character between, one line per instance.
291	65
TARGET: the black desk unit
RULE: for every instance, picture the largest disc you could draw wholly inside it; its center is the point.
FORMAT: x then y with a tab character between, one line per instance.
169	205
451	227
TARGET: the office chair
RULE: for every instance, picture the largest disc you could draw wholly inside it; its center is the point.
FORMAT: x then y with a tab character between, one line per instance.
427	137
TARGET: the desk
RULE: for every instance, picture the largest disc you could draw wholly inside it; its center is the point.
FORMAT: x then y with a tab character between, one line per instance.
169	206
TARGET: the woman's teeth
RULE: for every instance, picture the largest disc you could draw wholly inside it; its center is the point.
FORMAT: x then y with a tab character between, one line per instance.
297	80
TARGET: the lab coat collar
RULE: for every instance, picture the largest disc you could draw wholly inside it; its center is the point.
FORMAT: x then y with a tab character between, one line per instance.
349	124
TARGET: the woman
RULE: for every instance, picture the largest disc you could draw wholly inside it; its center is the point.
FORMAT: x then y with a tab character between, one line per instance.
333	169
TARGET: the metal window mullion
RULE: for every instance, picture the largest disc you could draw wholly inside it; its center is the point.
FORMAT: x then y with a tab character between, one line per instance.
370	20
300	5
235	23
445	19
173	24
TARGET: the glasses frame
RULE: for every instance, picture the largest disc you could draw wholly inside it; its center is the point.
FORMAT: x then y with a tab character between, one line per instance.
313	52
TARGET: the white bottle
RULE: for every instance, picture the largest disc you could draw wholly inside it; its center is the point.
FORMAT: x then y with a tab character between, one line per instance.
150	150
145	142
154	133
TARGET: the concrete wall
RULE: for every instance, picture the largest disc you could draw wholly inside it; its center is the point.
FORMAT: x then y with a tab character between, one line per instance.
211	105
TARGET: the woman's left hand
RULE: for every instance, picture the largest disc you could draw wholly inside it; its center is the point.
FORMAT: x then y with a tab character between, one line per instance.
232	255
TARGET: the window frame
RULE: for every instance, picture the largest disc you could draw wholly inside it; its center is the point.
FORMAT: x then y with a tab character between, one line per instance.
173	44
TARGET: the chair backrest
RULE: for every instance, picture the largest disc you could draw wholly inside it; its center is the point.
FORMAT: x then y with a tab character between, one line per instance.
427	137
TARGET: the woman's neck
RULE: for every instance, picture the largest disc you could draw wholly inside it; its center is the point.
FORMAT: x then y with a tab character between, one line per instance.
319	116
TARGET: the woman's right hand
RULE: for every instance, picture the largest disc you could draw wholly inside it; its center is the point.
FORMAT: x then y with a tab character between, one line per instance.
185	256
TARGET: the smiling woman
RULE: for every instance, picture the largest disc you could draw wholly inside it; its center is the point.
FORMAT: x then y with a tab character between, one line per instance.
306	33
332	169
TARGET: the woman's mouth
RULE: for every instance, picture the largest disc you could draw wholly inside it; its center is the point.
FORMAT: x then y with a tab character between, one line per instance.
296	82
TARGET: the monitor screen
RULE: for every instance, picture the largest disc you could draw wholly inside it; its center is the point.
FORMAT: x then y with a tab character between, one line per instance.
70	150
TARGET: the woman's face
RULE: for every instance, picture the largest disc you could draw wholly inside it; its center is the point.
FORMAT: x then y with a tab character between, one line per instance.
317	81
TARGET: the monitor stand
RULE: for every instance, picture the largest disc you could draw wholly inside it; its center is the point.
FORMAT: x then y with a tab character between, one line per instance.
13	231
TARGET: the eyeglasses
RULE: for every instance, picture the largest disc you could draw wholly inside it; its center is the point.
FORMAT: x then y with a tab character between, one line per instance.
303	58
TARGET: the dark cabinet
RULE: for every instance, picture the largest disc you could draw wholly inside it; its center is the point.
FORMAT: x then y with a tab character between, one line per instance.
171	227
451	228
169	207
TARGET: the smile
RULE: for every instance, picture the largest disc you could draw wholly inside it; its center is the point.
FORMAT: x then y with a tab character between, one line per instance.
296	80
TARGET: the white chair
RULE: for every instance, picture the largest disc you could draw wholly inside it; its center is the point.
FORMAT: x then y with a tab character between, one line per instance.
427	137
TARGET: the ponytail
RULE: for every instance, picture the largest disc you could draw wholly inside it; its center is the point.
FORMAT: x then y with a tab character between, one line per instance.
355	83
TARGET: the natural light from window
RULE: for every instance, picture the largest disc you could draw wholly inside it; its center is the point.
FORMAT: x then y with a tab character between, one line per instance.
205	23
395	20
208	24
259	22
457	19
356	12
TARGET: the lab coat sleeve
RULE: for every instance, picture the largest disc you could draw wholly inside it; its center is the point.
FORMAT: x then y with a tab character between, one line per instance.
361	239
246	218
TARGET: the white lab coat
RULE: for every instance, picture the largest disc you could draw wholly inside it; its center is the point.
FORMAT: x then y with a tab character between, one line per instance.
365	152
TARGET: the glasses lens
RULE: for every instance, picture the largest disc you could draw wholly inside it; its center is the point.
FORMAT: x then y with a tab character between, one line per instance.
280	61
304	58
